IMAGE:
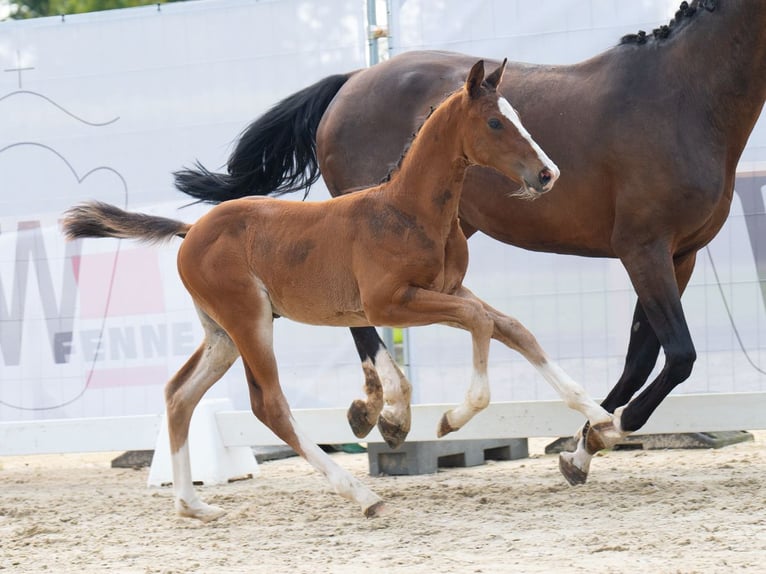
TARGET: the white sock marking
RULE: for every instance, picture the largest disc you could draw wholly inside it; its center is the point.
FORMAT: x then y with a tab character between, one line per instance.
396	388
572	393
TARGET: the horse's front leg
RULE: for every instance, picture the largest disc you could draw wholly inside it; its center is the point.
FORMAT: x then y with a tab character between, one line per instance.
388	391
659	283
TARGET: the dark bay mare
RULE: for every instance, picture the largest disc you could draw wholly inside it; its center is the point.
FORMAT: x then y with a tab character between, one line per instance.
401	264
647	136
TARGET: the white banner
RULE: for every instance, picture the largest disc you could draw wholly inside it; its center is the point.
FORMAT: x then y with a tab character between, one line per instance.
106	106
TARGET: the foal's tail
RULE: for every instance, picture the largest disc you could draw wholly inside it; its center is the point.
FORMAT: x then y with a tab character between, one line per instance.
275	154
97	219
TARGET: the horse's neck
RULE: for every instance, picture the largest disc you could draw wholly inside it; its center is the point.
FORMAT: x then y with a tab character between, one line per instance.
725	52
431	175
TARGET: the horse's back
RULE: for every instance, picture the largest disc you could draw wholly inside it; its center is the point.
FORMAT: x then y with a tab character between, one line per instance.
370	121
609	122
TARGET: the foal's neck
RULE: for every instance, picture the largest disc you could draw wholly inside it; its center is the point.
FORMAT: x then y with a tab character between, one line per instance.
432	172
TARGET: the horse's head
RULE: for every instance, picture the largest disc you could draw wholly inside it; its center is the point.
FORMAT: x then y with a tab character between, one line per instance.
496	138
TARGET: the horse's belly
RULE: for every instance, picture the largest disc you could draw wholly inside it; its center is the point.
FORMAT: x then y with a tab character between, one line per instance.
317	304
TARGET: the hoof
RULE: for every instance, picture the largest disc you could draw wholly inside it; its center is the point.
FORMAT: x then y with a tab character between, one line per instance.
567	467
200	511
444	427
394	434
594	439
358	419
377	509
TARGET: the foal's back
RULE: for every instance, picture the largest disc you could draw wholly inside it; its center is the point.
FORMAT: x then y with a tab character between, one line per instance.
300	253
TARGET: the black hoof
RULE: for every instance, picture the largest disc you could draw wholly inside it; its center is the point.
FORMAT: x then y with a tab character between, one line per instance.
393	434
358	419
375	510
574	475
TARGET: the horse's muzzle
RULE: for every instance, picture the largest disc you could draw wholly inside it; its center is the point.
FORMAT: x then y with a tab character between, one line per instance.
547	177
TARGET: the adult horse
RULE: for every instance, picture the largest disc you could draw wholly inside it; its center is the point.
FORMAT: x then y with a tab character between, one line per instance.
249	260
647	135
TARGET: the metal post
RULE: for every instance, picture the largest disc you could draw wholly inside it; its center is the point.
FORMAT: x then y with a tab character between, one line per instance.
372	31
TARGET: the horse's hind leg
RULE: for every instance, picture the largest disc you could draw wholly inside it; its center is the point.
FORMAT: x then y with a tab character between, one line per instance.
388	391
182	393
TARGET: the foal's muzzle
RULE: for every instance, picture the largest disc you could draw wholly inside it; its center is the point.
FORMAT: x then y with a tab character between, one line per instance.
546	178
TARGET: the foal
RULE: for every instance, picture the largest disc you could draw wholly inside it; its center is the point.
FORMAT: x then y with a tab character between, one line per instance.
391	255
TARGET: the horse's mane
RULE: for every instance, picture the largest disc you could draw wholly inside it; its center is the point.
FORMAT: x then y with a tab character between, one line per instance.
395	167
685	12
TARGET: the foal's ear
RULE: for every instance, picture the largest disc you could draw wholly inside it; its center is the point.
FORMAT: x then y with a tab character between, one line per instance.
474	80
495	77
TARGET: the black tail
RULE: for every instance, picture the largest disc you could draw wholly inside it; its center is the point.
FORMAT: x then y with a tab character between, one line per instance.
275	154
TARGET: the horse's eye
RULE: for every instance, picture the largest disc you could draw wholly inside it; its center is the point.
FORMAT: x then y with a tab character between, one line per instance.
494	123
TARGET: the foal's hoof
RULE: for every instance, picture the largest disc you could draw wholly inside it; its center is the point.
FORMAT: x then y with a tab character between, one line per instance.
377	509
597	437
567	467
200	511
393	433
358	419
444	427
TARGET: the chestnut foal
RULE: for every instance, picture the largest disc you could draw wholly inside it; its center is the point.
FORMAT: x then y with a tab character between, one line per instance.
390	255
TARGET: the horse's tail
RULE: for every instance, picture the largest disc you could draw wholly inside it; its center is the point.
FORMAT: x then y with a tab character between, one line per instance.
275	154
97	219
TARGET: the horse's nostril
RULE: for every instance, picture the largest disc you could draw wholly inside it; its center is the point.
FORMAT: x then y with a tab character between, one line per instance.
545	176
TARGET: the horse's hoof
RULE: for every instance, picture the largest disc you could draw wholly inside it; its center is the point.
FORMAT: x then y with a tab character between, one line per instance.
594	438
393	433
444	427
200	511
377	509
567	467
358	419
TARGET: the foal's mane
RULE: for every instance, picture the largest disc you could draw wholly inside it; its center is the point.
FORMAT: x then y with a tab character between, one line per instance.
684	13
395	167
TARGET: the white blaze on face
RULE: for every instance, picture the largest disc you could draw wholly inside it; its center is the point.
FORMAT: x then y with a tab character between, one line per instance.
507	110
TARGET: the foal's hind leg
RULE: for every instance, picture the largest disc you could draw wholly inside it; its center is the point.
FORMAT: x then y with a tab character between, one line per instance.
182	393
388	391
605	428
250	325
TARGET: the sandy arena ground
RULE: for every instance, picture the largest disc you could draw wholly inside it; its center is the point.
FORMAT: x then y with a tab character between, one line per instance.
641	511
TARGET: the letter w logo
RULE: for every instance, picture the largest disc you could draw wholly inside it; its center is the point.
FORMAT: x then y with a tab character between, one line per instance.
59	319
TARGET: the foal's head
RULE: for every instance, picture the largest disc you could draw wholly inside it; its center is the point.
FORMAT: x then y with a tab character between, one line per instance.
495	137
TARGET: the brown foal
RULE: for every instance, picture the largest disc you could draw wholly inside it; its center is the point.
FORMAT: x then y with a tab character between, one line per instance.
390	255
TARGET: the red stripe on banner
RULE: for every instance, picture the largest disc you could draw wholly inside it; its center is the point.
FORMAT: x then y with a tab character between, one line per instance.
128	377
137	288
76	267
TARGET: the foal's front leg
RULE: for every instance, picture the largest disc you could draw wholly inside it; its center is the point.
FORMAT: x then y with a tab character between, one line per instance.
414	307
